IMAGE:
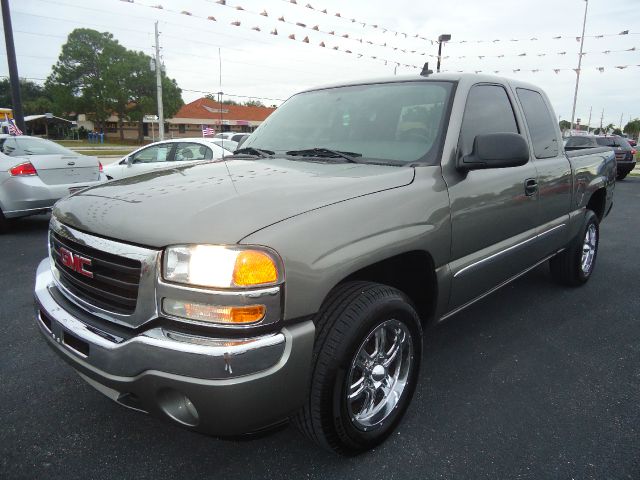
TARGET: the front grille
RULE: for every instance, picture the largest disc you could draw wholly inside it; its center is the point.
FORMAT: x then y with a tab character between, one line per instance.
115	282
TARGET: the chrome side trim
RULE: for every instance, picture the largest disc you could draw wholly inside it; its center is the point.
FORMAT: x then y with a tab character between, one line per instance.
29	210
489	292
502	252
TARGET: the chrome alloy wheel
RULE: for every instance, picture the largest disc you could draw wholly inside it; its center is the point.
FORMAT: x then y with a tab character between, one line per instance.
589	248
378	375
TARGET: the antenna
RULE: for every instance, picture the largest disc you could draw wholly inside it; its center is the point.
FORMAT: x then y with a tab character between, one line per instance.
425	70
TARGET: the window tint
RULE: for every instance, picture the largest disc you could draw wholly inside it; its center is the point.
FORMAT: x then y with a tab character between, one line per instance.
20	146
540	123
488	110
613	142
386	122
579	142
153	154
192	151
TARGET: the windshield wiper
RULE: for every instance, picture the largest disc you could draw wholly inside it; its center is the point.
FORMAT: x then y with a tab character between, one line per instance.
326	153
254	151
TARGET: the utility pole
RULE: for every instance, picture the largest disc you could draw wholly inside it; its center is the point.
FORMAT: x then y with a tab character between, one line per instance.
601	118
621	121
16	99
575	94
589	121
159	87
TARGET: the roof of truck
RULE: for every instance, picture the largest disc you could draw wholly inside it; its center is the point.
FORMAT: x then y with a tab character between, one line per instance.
447	77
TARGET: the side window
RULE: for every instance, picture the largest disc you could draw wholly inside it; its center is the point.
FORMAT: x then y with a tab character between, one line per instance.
153	154
488	110
192	151
540	123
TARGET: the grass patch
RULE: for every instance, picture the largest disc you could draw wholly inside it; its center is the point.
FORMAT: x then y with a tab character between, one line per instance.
102	153
109	143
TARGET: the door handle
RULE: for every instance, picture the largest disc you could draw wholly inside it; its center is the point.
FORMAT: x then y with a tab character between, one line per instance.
530	186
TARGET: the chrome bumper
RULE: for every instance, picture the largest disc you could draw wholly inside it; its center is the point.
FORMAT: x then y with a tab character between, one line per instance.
220	386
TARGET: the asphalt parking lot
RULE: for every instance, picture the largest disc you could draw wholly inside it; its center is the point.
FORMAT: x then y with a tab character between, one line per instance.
536	381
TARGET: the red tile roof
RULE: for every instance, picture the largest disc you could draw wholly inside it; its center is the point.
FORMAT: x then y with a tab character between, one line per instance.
206	108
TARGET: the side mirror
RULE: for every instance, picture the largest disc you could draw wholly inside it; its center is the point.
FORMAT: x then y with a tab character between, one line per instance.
496	150
129	161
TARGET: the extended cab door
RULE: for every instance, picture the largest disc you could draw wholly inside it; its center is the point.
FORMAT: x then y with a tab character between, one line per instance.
554	171
493	211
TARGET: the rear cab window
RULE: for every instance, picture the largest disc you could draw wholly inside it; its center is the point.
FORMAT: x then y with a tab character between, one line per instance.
539	122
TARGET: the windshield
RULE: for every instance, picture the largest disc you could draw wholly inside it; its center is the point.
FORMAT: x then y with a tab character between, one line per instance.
393	122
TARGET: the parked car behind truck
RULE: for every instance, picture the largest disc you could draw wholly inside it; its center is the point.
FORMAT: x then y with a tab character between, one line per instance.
165	154
35	173
296	280
624	152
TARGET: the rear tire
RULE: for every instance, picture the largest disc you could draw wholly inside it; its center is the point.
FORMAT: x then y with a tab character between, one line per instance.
621	176
574	266
366	362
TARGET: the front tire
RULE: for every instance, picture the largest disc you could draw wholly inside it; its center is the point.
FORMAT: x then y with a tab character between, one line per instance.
366	363
574	266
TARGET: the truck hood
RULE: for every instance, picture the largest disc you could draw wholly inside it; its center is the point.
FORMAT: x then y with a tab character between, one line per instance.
219	202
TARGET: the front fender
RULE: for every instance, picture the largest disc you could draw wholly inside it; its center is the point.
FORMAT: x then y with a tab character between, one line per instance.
322	247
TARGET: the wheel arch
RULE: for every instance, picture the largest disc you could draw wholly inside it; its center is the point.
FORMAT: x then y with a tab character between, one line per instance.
597	202
412	272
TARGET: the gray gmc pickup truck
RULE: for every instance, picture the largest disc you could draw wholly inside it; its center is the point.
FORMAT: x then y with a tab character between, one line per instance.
295	279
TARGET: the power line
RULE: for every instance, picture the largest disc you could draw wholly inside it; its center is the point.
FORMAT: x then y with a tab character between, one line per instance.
275	33
364	24
183	89
315	28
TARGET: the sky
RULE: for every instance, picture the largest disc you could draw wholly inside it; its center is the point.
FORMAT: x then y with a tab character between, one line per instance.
257	64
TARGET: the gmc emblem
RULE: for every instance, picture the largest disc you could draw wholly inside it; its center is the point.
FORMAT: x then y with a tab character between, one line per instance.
75	262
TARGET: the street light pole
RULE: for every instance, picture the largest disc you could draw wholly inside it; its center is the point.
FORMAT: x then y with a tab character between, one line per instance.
445	37
159	88
16	99
575	94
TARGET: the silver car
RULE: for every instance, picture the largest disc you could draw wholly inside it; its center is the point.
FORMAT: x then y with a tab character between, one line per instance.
35	173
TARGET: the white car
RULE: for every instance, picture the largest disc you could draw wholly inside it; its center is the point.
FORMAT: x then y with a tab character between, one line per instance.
226	144
169	153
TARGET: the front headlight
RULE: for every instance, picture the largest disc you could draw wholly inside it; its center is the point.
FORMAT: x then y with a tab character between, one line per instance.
219	266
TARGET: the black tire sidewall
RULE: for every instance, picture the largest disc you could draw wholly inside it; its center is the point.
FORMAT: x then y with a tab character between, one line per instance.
355	439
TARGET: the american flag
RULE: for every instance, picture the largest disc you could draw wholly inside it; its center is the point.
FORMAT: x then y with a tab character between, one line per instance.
208	131
13	128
